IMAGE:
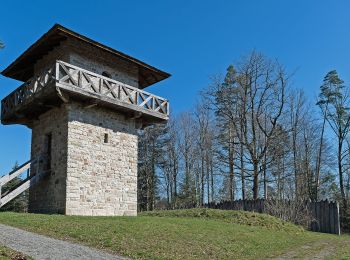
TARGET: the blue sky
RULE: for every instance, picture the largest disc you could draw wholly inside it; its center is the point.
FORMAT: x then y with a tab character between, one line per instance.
192	40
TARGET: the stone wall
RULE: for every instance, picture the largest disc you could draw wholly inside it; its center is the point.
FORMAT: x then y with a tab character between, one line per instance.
93	162
102	163
60	52
92	59
49	195
98	61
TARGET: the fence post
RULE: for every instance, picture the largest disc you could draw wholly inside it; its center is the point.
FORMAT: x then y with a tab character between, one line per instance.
337	219
332	216
327	215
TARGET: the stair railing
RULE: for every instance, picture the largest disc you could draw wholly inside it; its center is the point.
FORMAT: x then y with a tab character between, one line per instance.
33	167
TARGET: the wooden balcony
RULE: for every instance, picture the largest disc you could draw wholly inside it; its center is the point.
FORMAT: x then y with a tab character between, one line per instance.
63	82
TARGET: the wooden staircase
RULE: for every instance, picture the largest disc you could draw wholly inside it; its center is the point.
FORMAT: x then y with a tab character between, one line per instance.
35	169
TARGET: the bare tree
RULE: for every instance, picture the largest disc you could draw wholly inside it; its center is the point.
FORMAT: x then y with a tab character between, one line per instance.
249	136
295	106
205	144
169	160
253	103
151	142
334	103
188	149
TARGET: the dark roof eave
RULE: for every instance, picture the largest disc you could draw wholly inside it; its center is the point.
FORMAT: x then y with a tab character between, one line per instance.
63	32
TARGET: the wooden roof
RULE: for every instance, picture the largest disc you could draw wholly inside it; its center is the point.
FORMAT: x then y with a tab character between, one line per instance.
23	67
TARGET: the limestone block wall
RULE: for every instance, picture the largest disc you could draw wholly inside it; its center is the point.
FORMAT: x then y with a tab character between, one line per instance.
60	52
98	61
93	162
49	195
89	58
101	164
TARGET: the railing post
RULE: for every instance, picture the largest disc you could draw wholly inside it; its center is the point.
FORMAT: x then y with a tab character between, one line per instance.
100	86
79	79
337	222
57	71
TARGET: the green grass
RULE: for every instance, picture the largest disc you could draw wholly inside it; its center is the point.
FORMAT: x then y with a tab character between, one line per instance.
229	216
7	253
181	234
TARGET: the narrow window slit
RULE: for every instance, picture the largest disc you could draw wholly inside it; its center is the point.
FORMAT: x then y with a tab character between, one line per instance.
48	150
106	138
106	74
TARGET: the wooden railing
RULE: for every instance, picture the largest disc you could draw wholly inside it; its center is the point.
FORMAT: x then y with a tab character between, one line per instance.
71	77
26	91
34	169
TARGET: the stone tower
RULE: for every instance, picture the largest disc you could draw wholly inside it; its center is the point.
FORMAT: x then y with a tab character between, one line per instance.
84	102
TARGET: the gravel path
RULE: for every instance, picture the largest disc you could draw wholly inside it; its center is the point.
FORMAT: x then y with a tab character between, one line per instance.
42	247
318	250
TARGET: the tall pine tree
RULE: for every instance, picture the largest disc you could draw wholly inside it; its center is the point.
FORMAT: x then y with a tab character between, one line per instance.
334	102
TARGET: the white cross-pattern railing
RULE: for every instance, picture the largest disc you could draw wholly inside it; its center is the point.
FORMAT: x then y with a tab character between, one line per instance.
27	91
67	75
74	76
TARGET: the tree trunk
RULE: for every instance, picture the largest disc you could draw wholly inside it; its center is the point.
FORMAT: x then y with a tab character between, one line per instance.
318	163
198	193
242	172
231	174
171	190
212	179
340	170
207	175
175	182
265	183
202	182
153	173
296	176
256	182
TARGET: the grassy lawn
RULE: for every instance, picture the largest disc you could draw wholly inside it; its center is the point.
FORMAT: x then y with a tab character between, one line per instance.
7	253
185	234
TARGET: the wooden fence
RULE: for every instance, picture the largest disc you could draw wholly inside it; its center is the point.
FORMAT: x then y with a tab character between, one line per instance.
324	215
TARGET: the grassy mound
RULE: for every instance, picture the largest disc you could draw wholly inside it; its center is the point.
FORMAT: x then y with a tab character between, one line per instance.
229	216
179	234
